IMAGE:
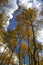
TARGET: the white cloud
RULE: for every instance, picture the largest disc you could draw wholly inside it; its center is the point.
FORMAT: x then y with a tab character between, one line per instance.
12	6
1	49
40	36
30	3
8	9
41	53
16	60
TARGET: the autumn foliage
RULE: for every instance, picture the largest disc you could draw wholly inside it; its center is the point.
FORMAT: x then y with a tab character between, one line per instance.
23	31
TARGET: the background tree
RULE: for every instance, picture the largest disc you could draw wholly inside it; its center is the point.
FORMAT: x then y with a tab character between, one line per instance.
24	31
28	17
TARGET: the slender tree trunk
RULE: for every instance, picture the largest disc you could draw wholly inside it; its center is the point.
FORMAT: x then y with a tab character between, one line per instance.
19	57
20	61
38	59
34	43
29	52
24	57
28	45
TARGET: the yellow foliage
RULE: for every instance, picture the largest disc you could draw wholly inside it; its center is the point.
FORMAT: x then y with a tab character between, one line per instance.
23	46
3	1
19	28
27	16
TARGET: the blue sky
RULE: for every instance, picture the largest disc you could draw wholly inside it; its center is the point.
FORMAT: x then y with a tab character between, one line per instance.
10	10
11	7
13	22
13	14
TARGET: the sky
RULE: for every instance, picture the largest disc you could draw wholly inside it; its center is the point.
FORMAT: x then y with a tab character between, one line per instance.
11	7
10	10
26	3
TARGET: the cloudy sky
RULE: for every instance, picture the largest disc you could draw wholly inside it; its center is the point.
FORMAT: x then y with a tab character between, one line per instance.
12	6
10	10
28	4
